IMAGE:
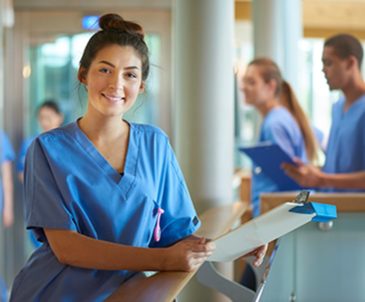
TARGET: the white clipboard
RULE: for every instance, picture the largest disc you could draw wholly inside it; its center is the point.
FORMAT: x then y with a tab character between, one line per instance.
259	231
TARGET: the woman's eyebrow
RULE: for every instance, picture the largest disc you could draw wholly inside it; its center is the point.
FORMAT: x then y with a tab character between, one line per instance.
112	65
107	63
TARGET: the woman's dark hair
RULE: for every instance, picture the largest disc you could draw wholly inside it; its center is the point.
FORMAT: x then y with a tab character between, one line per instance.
270	71
115	30
345	46
50	104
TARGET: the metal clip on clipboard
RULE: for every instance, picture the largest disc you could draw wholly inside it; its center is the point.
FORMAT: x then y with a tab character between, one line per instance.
302	197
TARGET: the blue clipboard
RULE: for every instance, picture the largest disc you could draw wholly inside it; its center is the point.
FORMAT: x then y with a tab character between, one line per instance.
269	158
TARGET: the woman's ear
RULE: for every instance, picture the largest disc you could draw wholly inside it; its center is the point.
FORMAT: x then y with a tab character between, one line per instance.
81	75
272	84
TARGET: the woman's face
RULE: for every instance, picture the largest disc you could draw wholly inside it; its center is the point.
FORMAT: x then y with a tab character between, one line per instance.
114	80
49	119
256	91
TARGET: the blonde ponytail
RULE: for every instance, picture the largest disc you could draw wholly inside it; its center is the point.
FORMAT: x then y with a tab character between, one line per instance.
290	102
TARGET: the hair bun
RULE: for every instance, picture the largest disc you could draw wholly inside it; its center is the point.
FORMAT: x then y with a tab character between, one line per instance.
114	22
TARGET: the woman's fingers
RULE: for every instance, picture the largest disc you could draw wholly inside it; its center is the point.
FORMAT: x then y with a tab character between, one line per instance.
260	255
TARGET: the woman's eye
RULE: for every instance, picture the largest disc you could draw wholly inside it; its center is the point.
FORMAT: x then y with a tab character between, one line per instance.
131	75
104	70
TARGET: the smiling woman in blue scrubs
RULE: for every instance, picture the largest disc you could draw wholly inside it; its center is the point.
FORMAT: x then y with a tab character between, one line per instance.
101	192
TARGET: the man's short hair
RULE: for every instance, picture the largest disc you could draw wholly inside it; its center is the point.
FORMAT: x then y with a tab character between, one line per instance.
346	45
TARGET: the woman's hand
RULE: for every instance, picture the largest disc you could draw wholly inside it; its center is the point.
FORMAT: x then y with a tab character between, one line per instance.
259	254
188	254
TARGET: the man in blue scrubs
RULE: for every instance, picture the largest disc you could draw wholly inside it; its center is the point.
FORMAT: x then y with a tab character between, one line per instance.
344	168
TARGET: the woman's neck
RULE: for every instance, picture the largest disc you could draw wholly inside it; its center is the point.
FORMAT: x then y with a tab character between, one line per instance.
266	107
103	128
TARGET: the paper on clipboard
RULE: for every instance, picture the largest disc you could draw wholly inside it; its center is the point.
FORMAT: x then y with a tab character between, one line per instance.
259	231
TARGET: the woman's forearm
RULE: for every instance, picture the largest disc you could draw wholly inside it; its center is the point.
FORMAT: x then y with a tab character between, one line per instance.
75	249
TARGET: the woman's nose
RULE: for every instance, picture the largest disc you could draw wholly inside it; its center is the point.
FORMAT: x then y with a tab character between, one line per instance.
117	81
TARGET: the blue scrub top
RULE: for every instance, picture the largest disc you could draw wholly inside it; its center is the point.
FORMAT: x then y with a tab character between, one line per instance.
20	165
3	291
278	127
346	145
69	185
6	154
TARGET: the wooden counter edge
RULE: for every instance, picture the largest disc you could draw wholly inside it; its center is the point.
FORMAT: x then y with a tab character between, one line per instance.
165	286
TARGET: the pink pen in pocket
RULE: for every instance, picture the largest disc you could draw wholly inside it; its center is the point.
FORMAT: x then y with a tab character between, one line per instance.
157	231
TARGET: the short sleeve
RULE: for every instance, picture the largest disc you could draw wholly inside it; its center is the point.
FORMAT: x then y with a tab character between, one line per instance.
278	134
44	203
180	218
7	151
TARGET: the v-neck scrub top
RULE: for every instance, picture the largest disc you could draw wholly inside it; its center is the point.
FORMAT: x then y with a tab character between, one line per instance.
69	185
346	144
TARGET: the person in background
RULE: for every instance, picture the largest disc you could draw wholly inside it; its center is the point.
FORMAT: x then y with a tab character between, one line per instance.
344	167
7	156
3	291
6	193
106	196
49	117
284	122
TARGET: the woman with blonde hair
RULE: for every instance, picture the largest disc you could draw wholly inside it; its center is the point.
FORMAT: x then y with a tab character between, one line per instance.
284	121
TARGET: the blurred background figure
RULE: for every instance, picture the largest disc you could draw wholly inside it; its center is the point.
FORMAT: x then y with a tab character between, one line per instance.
7	155
49	117
6	193
284	122
344	168
3	291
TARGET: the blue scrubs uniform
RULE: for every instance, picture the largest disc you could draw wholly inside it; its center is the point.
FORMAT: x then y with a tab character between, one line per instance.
6	154
3	291
346	145
69	185
278	127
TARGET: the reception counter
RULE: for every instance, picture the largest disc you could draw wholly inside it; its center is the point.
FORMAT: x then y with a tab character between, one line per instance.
320	262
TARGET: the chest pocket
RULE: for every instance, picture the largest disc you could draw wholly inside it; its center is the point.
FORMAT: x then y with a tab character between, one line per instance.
147	212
